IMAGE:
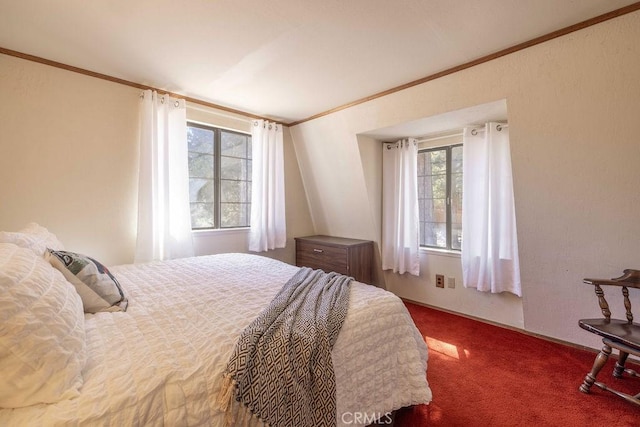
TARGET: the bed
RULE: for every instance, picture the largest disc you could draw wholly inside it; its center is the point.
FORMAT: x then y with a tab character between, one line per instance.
160	361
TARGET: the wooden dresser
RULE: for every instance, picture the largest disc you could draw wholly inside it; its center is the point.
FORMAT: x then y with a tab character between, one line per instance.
351	257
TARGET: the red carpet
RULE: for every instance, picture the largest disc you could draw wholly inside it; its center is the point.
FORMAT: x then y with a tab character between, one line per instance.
484	375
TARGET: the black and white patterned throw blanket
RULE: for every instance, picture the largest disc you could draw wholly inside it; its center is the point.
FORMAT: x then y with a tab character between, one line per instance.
280	372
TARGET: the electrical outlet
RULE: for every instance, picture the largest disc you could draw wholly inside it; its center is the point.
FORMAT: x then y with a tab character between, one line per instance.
440	280
451	282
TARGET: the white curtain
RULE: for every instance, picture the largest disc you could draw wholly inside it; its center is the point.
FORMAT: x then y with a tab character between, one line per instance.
164	219
268	225
490	243
400	242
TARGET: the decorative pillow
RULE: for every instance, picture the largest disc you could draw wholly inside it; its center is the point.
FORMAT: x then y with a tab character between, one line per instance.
97	287
42	337
34	237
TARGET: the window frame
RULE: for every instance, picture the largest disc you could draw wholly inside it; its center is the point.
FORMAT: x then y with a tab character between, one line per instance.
448	197
217	177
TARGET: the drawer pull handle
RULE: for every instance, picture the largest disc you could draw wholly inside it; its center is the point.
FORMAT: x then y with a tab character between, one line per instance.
318	250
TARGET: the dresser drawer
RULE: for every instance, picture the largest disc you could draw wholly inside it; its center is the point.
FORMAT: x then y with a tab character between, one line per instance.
323	257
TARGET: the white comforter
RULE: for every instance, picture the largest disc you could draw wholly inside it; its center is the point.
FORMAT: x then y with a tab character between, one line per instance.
160	362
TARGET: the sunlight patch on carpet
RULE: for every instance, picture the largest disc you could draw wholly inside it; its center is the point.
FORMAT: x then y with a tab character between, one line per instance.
446	349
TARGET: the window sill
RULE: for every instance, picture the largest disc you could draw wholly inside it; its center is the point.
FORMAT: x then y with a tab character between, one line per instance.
218	231
440	252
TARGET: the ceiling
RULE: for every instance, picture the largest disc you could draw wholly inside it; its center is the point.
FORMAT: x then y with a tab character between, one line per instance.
282	59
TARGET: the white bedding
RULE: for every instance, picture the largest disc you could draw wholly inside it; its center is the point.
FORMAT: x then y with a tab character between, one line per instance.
159	363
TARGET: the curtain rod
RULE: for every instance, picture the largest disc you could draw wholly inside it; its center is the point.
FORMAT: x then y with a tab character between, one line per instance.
481	129
451	135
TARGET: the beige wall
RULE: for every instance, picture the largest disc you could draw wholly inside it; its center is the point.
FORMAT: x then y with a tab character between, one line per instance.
68	157
69	160
572	105
371	162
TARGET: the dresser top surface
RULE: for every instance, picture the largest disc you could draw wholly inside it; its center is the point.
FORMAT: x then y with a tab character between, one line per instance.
334	241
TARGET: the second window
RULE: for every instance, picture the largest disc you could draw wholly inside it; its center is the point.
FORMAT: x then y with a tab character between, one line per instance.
440	197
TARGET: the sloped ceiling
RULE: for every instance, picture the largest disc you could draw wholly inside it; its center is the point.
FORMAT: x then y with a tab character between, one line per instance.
283	59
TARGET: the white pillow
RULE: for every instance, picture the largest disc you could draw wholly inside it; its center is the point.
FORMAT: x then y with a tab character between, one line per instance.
42	337
34	237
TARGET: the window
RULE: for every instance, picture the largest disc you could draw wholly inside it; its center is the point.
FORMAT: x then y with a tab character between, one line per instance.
440	197
219	177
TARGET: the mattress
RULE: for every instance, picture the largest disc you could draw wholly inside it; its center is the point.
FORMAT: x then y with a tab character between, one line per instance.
160	362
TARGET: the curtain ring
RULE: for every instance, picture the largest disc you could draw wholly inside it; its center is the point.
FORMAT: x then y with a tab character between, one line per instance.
498	127
176	104
474	132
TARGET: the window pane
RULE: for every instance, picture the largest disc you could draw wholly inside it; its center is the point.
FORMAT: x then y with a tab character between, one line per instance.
434	182
235	179
234	191
234	144
456	197
201	190
200	165
438	161
432	187
200	140
202	215
440	210
433	234
421	162
438	184
233	215
456	236
456	159
200	144
233	168
422	186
